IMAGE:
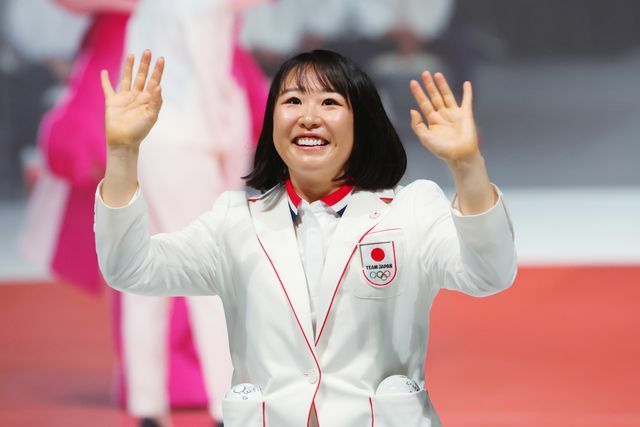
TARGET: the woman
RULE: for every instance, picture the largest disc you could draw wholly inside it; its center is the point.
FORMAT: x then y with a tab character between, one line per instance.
327	278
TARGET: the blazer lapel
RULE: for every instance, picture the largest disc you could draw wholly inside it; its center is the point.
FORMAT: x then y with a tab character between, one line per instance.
274	228
364	211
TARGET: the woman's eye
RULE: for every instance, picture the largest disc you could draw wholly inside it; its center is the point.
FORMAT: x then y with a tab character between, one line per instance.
293	100
330	101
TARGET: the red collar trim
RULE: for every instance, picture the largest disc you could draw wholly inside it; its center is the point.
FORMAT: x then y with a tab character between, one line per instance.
336	200
293	196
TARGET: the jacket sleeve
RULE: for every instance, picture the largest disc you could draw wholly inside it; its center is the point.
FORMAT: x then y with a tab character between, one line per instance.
186	262
474	254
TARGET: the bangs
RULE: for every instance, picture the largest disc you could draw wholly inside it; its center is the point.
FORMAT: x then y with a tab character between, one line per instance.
308	75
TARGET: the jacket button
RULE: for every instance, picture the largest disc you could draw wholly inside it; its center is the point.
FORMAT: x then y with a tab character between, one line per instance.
312	376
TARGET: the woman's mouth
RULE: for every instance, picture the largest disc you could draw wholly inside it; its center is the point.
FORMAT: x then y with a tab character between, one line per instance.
310	142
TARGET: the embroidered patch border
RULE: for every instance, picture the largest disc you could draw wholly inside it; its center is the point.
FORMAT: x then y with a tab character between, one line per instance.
382	272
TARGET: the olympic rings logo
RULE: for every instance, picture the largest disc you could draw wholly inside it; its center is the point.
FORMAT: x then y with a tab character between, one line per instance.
380	274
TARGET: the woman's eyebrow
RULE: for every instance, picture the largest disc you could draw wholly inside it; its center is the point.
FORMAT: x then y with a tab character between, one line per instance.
298	89
290	89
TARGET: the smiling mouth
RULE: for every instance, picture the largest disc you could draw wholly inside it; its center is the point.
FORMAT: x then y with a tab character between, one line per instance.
310	142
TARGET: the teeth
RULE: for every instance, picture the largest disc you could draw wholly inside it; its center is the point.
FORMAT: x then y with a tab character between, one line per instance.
310	142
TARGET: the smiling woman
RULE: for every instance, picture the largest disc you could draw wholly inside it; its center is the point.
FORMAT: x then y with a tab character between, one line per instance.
322	95
313	135
328	277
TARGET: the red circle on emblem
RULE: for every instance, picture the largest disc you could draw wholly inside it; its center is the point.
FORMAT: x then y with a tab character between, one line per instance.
377	254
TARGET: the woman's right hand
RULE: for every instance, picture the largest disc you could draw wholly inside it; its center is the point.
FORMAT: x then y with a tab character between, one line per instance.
133	109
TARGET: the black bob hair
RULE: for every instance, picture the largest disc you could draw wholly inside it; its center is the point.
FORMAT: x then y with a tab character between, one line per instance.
378	159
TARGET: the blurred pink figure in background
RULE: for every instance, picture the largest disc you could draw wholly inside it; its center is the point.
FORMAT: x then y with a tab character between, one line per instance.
211	146
71	139
202	144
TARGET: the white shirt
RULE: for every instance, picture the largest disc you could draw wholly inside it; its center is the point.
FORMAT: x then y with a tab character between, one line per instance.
314	224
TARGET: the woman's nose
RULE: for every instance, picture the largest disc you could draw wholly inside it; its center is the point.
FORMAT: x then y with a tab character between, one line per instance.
309	119
309	122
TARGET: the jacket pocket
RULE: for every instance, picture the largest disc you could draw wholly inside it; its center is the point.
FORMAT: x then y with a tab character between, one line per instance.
243	413
401	410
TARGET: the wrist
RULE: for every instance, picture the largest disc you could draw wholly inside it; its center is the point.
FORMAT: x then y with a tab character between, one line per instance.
464	165
122	150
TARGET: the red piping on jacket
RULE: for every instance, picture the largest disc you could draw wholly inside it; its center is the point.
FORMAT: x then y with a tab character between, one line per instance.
385	229
301	330
373	418
335	292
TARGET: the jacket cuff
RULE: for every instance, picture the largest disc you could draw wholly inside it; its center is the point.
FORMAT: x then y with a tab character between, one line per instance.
494	221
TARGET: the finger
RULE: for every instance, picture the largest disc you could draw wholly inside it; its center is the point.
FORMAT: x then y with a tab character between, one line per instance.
127	70
418	125
447	95
156	75
421	98
467	95
143	71
107	89
432	90
156	98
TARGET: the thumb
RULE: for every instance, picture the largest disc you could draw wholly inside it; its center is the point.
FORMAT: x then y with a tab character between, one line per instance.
418	125
416	119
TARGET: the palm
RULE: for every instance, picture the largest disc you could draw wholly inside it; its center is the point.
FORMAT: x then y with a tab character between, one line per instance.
132	111
450	133
129	116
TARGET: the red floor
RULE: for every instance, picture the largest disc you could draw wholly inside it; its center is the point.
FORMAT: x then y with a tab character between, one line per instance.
561	348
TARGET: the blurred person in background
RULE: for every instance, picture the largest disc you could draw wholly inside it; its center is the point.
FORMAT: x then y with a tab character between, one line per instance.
391	39
203	138
425	33
58	229
37	43
363	27
71	139
58	224
268	46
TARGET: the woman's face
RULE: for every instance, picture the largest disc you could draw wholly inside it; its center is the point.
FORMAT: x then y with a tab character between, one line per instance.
312	130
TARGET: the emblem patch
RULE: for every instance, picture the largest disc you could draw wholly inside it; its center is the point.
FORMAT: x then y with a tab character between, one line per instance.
378	262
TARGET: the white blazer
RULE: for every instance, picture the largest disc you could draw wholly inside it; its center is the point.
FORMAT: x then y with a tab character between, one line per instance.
372	320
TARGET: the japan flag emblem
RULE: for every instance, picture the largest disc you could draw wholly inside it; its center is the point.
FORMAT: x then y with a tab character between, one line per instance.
378	262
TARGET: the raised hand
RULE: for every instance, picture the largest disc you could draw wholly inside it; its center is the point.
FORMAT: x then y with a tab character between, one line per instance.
449	131
133	109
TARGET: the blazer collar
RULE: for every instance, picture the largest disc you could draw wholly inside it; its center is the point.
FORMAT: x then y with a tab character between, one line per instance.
271	214
274	229
336	201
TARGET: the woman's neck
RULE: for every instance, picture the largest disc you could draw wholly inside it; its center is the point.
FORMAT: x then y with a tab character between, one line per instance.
312	190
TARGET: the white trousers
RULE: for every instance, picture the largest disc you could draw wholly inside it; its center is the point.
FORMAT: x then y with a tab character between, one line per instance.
145	323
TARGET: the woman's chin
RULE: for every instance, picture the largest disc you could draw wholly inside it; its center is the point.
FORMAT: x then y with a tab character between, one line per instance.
311	171
312	162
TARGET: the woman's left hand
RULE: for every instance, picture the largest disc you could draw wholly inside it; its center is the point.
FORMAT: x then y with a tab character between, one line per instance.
451	135
449	131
